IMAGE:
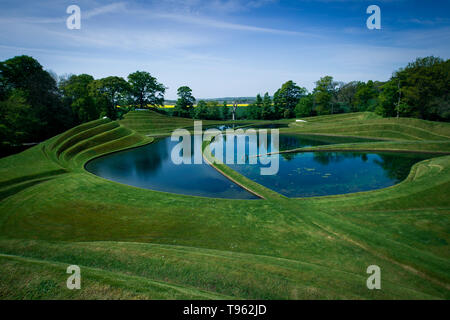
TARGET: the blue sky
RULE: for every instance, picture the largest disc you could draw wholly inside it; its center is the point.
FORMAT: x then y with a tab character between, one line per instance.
226	47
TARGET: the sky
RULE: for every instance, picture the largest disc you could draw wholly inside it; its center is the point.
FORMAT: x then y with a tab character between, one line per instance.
223	48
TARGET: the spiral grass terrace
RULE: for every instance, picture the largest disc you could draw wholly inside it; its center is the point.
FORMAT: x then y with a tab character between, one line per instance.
141	244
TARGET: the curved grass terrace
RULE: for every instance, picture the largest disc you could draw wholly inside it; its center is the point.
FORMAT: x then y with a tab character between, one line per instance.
142	244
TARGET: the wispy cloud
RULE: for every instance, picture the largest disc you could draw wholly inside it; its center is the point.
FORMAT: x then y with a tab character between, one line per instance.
202	21
189	18
206	43
428	22
85	14
110	8
222	6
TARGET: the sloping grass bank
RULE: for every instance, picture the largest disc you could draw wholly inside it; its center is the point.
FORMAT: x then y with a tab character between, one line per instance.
143	244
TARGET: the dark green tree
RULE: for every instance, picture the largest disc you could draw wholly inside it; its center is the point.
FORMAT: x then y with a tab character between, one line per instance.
422	84
304	106
213	110
325	95
201	110
419	90
388	99
145	90
225	111
76	90
254	109
266	109
185	103
286	98
365	96
346	95
25	82
108	92
16	119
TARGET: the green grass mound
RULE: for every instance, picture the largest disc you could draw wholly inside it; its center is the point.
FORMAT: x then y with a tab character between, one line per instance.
72	132
134	243
369	125
65	153
91	140
149	122
103	137
185	272
83	136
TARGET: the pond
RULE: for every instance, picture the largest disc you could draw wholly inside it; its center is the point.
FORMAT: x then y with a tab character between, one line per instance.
313	174
151	167
300	174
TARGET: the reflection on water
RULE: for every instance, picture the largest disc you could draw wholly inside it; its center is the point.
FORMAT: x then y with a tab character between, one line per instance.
151	167
329	173
300	174
286	142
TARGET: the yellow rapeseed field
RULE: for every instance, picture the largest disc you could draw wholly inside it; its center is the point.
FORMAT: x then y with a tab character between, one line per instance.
172	105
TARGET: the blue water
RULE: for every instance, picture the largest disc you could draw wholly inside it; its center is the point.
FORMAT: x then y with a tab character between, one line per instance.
329	173
151	167
299	175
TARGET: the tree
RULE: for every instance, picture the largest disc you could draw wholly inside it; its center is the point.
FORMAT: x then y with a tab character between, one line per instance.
364	99
325	95
201	111
87	108
185	102
266	109
25	73
304	107
77	95
254	109
16	119
286	98
422	83
213	110
387	99
145	90
109	90
420	90
440	107
346	95
225	111
25	82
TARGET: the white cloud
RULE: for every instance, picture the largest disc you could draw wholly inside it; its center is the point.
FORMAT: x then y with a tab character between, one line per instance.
222	6
206	45
85	14
227	25
429	22
110	8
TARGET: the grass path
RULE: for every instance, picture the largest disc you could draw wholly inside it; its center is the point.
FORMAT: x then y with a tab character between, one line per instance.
96	282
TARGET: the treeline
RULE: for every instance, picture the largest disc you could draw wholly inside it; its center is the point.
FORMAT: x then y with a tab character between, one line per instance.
36	105
420	90
206	110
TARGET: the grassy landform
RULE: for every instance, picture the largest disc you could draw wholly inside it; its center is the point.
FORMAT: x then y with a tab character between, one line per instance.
153	123
367	124
136	243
